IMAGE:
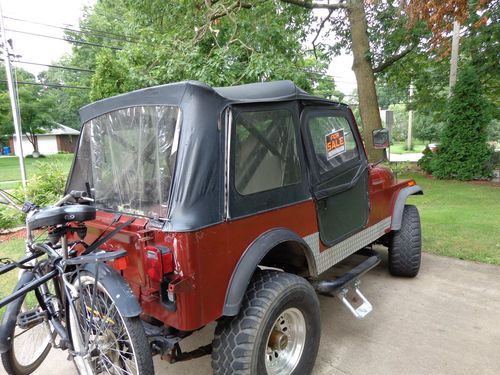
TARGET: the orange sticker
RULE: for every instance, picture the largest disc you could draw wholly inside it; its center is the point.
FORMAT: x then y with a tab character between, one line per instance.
335	143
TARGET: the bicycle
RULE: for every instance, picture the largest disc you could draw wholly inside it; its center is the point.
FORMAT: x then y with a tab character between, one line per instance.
70	297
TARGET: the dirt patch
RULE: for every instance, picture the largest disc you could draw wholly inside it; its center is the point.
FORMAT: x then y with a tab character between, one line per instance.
12	234
486	183
473	182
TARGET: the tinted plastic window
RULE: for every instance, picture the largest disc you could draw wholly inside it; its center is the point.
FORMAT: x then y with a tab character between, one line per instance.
265	151
333	141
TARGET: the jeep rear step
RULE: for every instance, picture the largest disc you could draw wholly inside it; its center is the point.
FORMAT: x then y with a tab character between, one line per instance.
348	285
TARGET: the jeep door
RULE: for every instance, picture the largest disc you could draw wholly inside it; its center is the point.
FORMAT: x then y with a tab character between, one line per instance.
338	171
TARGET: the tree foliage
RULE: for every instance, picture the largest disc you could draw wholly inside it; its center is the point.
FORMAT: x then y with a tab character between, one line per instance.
36	107
464	153
221	43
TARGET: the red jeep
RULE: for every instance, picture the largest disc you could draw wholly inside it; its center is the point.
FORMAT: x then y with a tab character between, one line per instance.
235	200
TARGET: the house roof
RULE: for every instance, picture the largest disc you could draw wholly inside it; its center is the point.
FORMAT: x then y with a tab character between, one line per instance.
58	129
61	129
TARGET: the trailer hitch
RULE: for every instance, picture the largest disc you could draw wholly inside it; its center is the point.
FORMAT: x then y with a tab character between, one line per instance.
177	355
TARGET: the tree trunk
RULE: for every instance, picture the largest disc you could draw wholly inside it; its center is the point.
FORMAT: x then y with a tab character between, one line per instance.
362	67
33	139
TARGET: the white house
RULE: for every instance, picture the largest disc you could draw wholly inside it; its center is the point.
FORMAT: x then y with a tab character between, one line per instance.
60	138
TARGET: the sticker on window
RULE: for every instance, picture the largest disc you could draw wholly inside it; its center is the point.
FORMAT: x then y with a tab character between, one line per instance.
335	143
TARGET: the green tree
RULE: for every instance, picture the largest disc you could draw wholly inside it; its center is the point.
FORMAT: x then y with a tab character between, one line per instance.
464	153
36	107
217	42
426	129
67	100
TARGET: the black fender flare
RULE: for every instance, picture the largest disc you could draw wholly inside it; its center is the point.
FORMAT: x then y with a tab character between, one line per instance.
249	261
399	204
10	317
118	289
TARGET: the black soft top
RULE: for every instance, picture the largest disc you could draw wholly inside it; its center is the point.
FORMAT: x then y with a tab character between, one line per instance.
181	92
196	196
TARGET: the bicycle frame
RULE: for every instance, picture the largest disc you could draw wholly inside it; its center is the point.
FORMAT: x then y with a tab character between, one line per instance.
58	267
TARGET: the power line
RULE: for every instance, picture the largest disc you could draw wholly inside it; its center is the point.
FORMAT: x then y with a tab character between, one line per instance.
92	31
56	66
65	39
48	85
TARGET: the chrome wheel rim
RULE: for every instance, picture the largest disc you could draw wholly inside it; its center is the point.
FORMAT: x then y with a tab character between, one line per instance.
285	342
100	349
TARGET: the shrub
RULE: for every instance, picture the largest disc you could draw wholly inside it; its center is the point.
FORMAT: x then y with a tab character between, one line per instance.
45	187
464	153
10	218
425	161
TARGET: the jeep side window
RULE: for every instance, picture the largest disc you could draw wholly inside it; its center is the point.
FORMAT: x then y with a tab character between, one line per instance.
333	141
265	152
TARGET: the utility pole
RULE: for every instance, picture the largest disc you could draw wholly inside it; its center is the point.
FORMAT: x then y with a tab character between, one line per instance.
13	99
409	142
454	56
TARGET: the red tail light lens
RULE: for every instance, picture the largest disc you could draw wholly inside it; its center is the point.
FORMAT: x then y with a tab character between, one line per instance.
153	263
157	261
168	262
121	263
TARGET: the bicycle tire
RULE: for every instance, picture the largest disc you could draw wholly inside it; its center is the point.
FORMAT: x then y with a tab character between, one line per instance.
119	342
11	361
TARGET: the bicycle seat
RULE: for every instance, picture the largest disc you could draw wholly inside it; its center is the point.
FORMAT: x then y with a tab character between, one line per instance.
61	215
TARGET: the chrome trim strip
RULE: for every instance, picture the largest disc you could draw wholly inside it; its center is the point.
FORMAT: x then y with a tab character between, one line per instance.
327	258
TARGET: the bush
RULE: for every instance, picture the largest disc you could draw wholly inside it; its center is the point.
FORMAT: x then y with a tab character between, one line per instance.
464	153
425	161
41	156
10	218
44	188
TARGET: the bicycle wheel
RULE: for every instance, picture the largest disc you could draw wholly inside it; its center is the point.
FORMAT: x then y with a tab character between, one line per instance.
105	341
29	342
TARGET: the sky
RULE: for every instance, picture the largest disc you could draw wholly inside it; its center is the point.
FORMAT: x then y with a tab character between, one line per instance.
67	12
54	12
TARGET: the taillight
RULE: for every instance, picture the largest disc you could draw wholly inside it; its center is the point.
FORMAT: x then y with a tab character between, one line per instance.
157	261
121	263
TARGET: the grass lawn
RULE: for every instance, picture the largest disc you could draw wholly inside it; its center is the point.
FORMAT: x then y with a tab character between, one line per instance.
13	249
10	175
399	148
459	219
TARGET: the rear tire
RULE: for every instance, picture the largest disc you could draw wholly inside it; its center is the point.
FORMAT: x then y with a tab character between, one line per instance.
277	330
119	343
405	246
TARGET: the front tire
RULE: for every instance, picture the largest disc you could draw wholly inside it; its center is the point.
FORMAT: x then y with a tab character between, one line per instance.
405	246
277	330
28	347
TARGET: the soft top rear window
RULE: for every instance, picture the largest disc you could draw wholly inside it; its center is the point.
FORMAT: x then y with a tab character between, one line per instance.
131	152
